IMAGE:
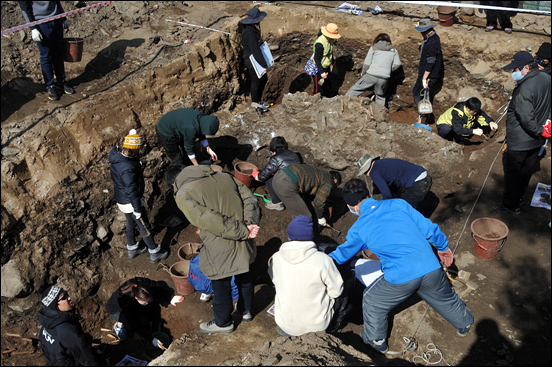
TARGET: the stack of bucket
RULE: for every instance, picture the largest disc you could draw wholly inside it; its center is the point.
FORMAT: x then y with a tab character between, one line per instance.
179	271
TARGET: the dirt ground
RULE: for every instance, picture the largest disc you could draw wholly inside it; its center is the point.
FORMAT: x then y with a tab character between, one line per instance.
60	223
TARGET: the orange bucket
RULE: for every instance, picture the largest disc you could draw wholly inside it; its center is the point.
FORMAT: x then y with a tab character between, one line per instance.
243	171
72	49
489	236
179	273
188	250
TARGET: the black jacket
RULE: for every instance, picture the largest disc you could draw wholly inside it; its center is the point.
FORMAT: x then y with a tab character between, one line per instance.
133	315
431	58
528	111
252	42
63	341
277	162
128	179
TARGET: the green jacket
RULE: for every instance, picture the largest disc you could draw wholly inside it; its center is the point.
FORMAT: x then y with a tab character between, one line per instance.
221	207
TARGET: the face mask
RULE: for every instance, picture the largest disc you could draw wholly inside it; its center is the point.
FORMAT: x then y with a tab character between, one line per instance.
516	75
353	211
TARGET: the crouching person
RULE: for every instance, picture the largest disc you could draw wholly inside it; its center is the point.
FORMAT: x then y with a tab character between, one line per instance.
308	285
63	341
464	120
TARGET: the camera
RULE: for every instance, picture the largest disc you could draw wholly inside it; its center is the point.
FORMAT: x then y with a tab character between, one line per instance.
540	61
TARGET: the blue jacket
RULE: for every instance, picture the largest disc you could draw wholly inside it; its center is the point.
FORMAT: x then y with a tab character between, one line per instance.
201	283
128	179
399	236
389	174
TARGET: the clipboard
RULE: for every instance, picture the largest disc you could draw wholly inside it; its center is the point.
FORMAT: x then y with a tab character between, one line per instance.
259	70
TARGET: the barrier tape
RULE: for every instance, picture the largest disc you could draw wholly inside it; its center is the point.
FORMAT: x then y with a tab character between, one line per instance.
197	26
54	17
474	6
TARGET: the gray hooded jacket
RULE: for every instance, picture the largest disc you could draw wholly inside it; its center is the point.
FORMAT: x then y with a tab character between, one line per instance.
382	58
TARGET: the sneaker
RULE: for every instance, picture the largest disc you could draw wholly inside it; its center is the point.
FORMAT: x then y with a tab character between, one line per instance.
205	297
279	207
212	328
463	331
489	28
66	88
502	209
134	253
119	330
264	105
379	345
52	93
247	316
159	255
508	30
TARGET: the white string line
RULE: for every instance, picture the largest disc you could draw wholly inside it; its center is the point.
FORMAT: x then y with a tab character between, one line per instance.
427	356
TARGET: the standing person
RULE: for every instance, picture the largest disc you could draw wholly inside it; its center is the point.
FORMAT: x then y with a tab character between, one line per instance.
49	38
281	158
324	59
292	182
527	126
128	190
431	70
308	285
463	120
252	41
396	178
543	58
62	339
402	239
135	304
381	60
227	215
182	127
503	16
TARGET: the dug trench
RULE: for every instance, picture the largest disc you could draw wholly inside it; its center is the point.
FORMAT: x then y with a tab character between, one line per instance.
60	223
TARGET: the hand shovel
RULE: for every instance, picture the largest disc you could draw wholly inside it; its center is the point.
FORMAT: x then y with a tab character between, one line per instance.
264	197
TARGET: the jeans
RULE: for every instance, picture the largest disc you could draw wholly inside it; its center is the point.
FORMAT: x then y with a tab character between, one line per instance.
366	82
51	51
222	301
518	169
257	85
144	226
416	193
435	86
381	297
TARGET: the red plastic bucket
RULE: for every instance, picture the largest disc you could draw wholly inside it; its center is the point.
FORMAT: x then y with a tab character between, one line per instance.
489	236
188	251
72	49
446	15
179	273
243	171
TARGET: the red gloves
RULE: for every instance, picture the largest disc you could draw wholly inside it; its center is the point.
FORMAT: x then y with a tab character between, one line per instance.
446	257
255	174
546	129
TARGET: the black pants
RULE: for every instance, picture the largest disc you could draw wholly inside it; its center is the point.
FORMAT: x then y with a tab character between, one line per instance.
172	147
257	85
416	193
502	15
518	169
222	301
145	229
325	89
435	86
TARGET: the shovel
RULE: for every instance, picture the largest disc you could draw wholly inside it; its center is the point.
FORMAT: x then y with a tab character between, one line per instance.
332	228
264	197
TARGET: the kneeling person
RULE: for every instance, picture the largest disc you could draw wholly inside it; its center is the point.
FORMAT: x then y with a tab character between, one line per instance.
463	120
307	284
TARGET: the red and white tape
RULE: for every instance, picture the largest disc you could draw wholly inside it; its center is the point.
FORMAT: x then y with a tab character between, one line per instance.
474	6
27	25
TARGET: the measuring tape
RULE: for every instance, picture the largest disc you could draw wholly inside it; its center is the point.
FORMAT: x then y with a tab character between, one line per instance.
58	16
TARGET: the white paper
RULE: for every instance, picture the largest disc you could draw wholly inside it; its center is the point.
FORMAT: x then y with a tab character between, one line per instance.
367	271
541	197
271	310
259	70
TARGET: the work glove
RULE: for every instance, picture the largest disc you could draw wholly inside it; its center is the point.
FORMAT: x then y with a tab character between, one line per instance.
137	215
36	35
493	125
212	153
253	230
322	222
176	299
446	257
425	83
65	25
546	129
255	174
157	343
477	132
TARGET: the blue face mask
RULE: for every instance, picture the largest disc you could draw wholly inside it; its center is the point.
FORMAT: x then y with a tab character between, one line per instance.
353	211
516	75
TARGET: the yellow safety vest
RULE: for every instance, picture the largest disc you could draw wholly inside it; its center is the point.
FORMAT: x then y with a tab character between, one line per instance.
468	120
327	57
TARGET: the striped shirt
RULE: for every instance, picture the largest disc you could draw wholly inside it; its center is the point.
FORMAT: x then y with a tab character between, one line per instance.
312	181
